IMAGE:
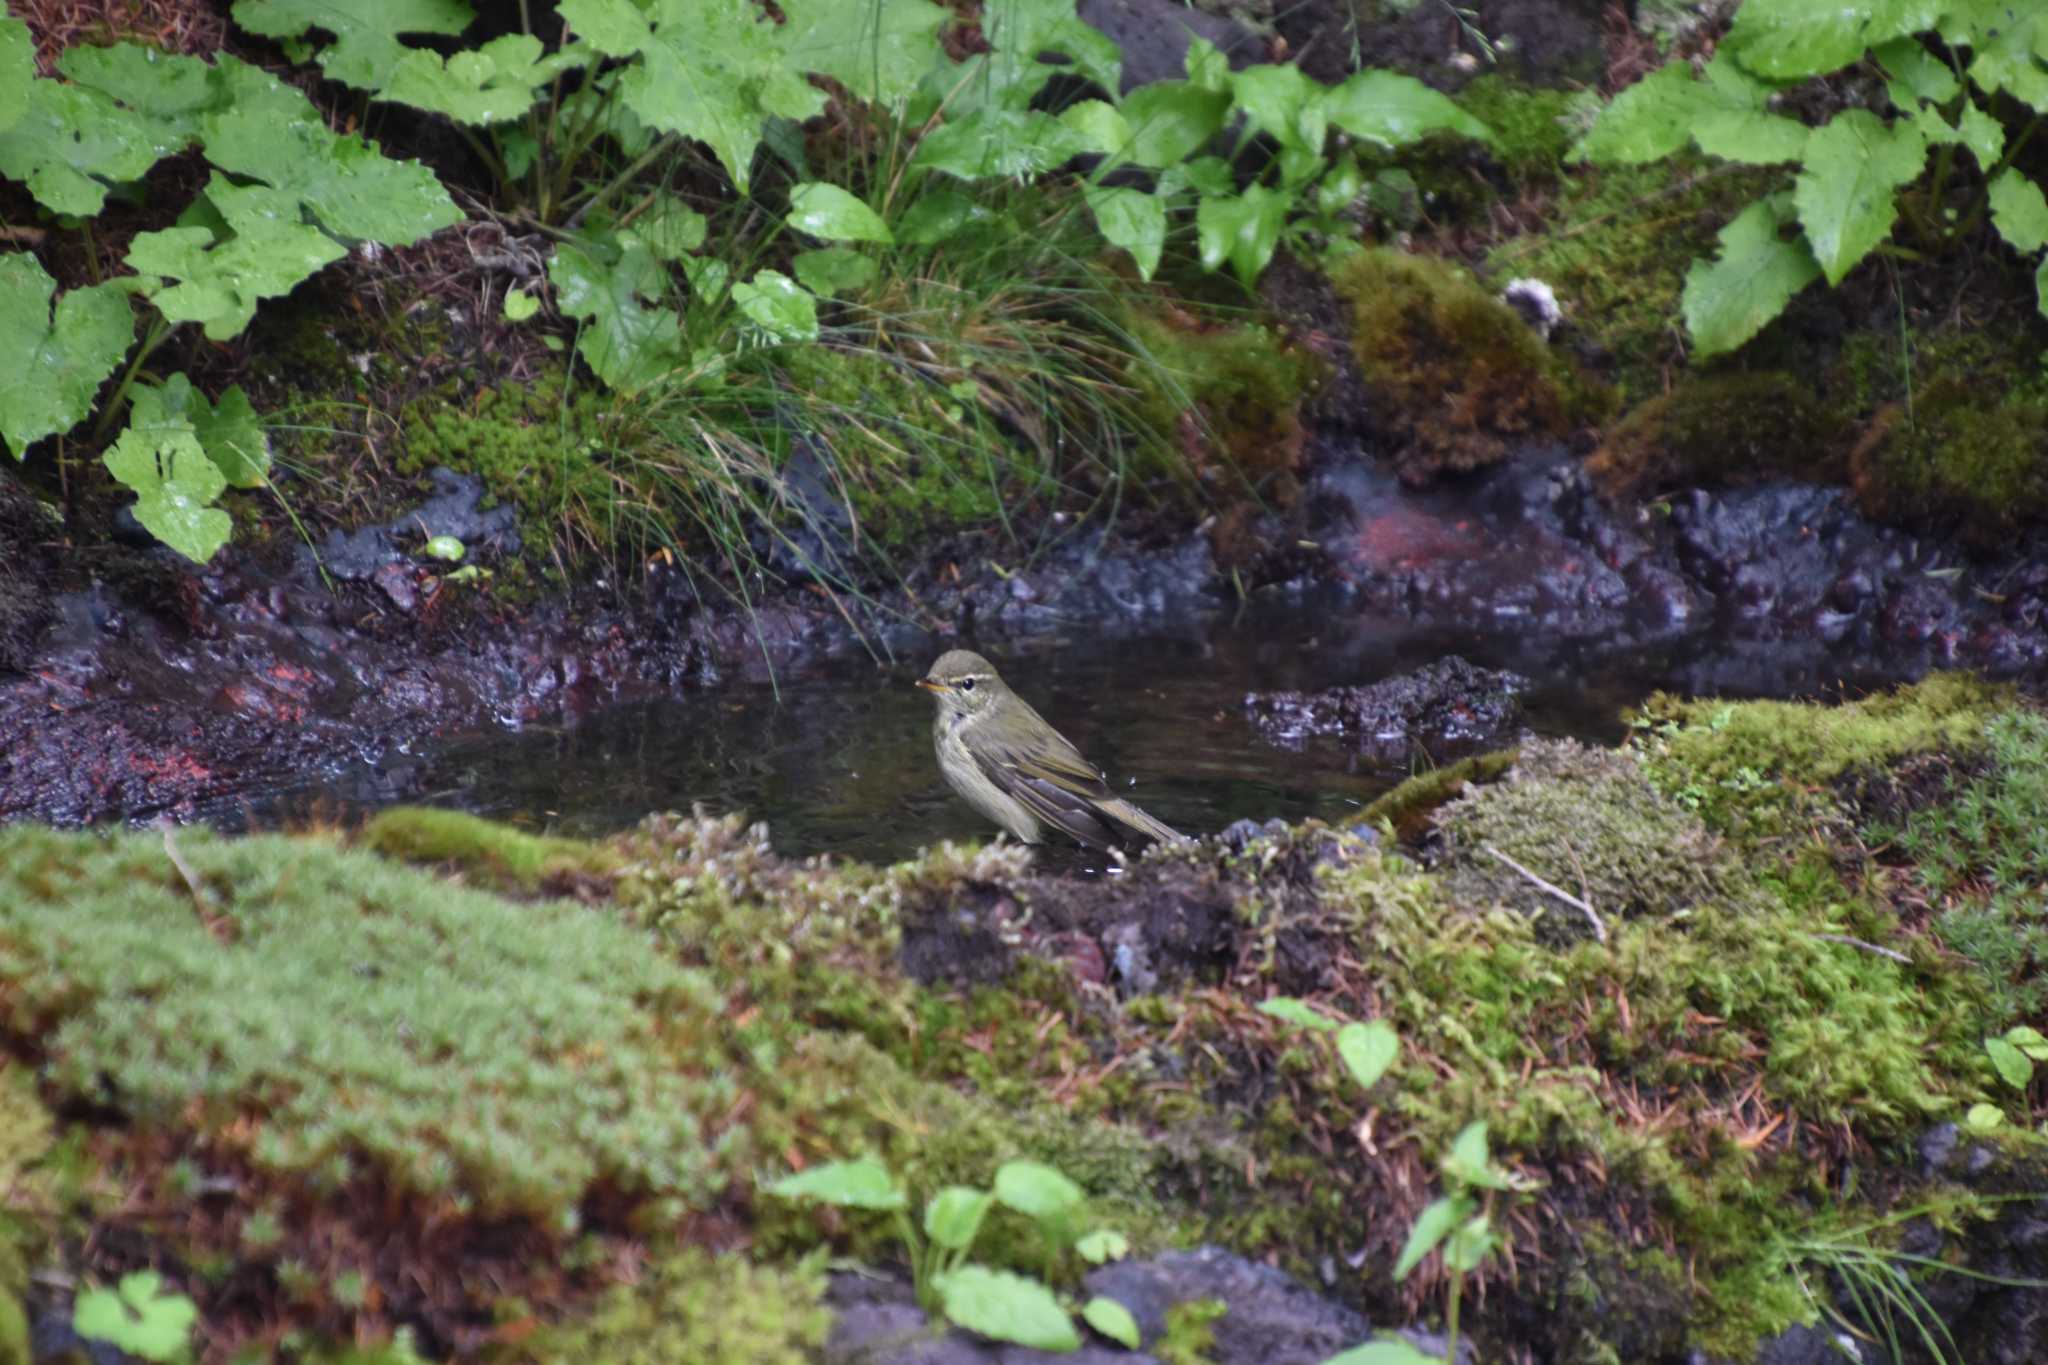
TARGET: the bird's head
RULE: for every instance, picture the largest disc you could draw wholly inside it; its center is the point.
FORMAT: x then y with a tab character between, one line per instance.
964	682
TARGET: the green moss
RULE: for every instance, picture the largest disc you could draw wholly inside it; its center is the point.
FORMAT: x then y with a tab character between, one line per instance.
1530	136
1720	428
1965	455
697	1306
1460	376
488	853
1408	806
1239	385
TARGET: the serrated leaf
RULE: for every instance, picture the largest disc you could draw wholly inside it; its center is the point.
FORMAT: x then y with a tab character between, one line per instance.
1734	121
353	189
878	49
71	143
2012	1065
1289	1010
1795	39
1113	1320
626	343
1280	99
1242	229
1131	219
1845	192
1982	134
953	1217
671	228
2019	211
1023	32
834	270
998	143
1367	1050
1098	127
1393	110
17	69
229	432
268	255
174	484
494	83
1170	120
778	305
617	28
2009	40
829	212
365	50
1006	1307
1430	1227
1729	300
170	90
1921	76
1036	1190
57	358
861	1184
1726	113
1206	66
1646	121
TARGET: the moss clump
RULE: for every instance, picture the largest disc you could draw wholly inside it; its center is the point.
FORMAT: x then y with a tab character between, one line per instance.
1408	807
547	455
1529	133
697	1306
1237	386
1459	375
1718	428
329	1015
1966	456
486	852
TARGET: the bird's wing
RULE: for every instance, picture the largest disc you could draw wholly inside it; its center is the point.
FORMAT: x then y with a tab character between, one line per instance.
1054	783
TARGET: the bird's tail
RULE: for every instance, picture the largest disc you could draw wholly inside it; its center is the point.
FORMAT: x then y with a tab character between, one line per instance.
1141	824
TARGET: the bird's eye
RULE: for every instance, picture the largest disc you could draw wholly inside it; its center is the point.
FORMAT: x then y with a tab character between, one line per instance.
967	684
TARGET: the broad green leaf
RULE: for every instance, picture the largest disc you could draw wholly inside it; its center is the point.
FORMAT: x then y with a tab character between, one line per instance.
494	83
1131	219
617	28
1114	1321
2019	212
829	212
1006	1307
1431	1226
56	359
2028	1040
671	228
353	189
174	484
1734	121
998	143
2012	1065
709	277
1367	1050
778	305
170	90
1170	120
1726	113
269	252
1280	99
1098	127
1845	194
1035	1189
877	49
1730	300
953	1217
2009	41
1392	1351
1982	134
1209	175
1648	121
1102	1245
1919	74
17	69
939	214
862	1184
1392	110
1021	32
1982	1118
1242	229
1795	39
72	142
365	51
834	270
1206	65
628	344
230	433
1291	1011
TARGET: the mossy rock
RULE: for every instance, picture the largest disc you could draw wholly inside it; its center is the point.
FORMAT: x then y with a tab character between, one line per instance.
1967	457
697	1306
1721	428
1232	388
488	853
1409	807
1458	378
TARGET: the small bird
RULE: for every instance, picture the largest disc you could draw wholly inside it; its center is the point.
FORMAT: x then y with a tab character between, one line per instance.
1007	763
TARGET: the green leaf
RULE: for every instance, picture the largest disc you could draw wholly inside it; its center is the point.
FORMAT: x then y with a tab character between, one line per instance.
1291	1011
833	271
878	49
494	83
267	255
617	28
1921	77
354	190
2012	1065
1170	120
447	548
17	69
938	215
1392	110
72	142
174	484
671	228
1982	1118
365	51
57	360
992	143
1726	113
778	305
2010	42
1733	120
1467	1162
829	212
230	433
1114	1321
626	343
1648	121
954	1216
1367	1050
1006	1307
1131	219
862	1184
1392	1351
1036	1190
1844	194
1097	127
2029	1041
1206	65
2019	211
1431	1226
2041	287
1730	300
1103	1245
1280	99
1794	39
1021	32
1242	229
520	305
171	91
1467	1248
1982	134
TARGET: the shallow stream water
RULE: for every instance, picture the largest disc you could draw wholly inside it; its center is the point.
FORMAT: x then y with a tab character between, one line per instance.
838	759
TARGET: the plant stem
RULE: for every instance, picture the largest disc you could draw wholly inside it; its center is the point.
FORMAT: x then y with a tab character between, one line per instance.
159	331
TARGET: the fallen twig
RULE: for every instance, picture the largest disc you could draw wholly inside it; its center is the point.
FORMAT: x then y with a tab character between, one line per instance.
1592	915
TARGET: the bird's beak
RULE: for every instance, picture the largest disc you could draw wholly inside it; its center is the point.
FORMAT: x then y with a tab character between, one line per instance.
933	685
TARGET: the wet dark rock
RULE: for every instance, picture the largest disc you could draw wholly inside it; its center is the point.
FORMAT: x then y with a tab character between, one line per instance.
1153	37
455	510
1448	706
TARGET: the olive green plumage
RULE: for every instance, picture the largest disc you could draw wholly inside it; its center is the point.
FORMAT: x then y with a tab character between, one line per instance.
1007	763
